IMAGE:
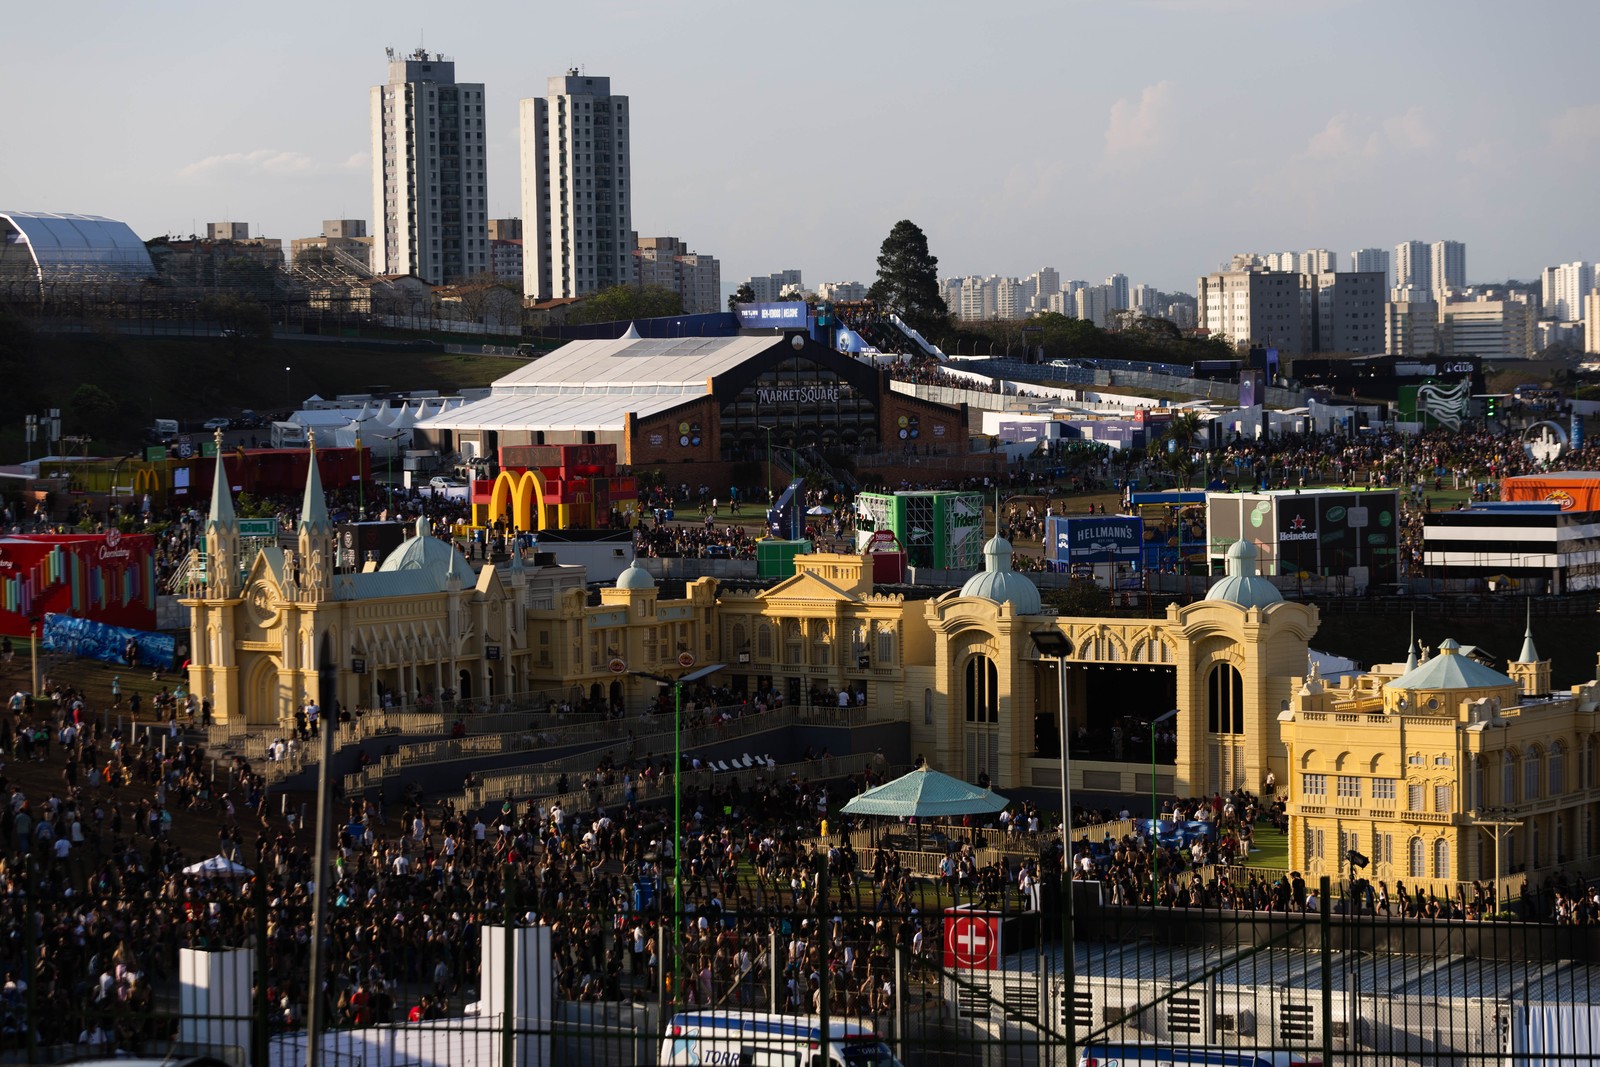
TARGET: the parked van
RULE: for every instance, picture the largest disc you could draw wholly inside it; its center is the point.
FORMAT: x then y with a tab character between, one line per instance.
1199	1056
289	435
760	1039
164	431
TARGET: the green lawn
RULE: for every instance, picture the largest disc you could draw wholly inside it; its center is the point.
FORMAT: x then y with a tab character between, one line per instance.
1271	851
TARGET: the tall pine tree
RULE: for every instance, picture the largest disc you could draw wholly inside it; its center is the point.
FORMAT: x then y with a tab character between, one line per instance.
908	278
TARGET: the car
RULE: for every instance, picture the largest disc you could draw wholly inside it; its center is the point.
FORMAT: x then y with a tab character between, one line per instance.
444	481
218	423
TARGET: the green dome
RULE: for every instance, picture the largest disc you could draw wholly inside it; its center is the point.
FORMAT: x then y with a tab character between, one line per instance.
1242	585
999	583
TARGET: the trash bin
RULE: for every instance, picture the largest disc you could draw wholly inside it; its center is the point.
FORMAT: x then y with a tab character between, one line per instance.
644	895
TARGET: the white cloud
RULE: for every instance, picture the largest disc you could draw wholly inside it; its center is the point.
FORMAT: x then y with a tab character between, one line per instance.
1575	125
259	161
1348	136
1138	127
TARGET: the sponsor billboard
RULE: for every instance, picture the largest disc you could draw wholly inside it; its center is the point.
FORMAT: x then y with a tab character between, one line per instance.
1102	539
776	316
1580	493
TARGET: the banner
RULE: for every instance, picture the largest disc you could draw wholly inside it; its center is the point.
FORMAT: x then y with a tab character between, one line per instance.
784	313
1110	539
88	639
1576	491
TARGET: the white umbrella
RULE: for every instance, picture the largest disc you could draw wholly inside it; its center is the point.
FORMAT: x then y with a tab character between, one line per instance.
819	509
218	867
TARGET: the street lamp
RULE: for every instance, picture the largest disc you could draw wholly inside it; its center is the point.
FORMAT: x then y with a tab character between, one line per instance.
677	810
1054	643
1155	826
287	397
388	461
1495	821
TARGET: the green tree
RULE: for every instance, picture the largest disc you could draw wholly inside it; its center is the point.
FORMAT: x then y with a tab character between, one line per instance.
91	407
742	295
908	278
627	303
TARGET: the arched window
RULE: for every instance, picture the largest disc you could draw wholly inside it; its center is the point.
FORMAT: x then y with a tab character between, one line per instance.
1558	769
764	641
982	690
1530	775
736	635
1417	867
1225	700
821	646
1441	859
794	647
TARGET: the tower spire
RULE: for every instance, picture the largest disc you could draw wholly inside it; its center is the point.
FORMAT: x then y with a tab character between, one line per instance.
222	513
314	506
1411	645
1529	653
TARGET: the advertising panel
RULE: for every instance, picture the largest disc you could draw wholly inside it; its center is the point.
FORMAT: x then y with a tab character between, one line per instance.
1103	539
775	316
96	640
1297	535
1581	493
108	577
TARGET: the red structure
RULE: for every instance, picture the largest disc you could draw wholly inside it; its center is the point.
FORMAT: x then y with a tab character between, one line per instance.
107	577
278	471
564	487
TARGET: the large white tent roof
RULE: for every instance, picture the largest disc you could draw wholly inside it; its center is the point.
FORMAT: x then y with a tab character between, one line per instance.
593	385
56	247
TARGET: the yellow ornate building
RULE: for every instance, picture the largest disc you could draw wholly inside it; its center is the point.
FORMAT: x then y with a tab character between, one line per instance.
1419	765
1444	771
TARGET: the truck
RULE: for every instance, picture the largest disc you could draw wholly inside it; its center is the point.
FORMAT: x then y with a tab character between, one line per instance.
289	435
163	431
763	1039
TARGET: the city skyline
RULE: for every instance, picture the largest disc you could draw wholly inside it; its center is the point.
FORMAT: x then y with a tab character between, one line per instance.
1456	122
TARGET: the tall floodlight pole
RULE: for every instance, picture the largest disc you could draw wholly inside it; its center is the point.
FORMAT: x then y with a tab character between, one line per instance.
1165	716
1055	644
327	696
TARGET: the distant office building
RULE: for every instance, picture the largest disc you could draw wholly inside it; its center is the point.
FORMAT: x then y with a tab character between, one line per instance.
1591	322
770	287
429	172
978	299
343	242
1562	289
1092	303
1255	307
1320	261
506	260
842	291
1181	315
1489	329
1349	313
1146	300
227	231
669	263
1413	266
1046	284
1411	328
1118	284
505	229
1447	263
1368	260
1010	299
576	192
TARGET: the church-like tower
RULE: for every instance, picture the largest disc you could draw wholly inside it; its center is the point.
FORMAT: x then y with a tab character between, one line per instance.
1531	673
223	564
314	547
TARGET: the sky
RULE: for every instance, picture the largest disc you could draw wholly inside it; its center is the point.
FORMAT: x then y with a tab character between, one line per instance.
1150	137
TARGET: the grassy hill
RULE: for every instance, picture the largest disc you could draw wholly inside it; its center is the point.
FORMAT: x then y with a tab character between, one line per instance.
110	386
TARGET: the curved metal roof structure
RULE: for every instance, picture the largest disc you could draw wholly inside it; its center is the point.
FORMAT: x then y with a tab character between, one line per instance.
67	248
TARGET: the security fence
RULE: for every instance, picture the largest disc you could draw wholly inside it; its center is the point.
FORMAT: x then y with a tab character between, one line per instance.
800	958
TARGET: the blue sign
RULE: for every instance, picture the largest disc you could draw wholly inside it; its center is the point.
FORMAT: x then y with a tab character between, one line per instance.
1101	539
96	640
790	314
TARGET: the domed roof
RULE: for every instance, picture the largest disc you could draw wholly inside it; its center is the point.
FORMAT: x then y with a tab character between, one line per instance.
635	577
999	583
1242	585
424	552
1451	670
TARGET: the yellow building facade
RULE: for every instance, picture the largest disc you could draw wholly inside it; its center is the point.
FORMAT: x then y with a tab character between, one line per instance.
1443	771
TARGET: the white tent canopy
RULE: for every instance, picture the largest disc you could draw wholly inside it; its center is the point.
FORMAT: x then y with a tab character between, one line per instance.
218	867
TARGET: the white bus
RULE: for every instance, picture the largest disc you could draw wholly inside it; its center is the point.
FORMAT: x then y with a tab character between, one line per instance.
1156	1056
760	1039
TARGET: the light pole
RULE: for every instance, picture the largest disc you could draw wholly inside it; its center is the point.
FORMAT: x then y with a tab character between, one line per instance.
1155	827
769	462
1496	822
388	460
288	401
1054	643
677	810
